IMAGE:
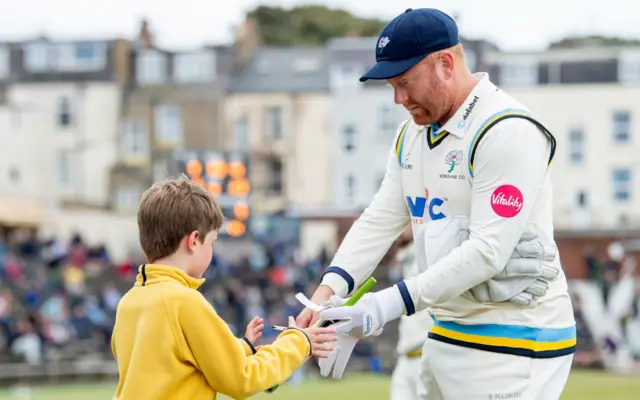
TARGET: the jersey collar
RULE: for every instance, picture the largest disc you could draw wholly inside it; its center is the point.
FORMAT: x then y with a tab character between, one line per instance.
462	119
150	274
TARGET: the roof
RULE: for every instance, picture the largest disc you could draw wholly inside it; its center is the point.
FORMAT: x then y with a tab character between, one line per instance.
284	69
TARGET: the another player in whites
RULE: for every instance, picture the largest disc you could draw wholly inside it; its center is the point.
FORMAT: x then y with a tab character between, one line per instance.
470	172
405	381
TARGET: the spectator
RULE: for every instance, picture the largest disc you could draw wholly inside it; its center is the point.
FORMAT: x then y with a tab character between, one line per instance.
27	344
81	324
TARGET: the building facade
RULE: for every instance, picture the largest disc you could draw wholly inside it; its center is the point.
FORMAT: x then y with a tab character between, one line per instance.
587	98
278	110
60	105
174	101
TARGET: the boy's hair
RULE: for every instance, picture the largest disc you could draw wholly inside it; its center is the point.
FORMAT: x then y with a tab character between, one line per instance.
172	209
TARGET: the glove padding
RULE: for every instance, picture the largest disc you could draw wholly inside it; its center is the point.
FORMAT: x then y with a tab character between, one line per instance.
527	274
353	323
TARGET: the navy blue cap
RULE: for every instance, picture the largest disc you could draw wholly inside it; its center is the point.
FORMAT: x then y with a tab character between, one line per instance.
410	37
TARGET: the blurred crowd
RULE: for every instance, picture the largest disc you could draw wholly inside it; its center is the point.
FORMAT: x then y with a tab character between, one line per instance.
59	299
56	296
607	312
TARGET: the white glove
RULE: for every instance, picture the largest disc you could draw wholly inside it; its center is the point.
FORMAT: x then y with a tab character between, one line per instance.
364	319
336	362
527	274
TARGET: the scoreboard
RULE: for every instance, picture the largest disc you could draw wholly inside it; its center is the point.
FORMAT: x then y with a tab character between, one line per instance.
226	176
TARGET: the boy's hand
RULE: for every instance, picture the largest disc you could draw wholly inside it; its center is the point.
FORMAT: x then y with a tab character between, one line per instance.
254	330
319	338
308	317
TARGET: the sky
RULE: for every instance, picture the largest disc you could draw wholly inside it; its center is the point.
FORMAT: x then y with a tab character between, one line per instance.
511	24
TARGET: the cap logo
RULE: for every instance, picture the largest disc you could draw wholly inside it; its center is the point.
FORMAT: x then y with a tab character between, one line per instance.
383	42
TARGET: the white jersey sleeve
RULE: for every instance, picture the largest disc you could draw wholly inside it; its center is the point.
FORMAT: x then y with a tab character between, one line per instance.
509	168
372	234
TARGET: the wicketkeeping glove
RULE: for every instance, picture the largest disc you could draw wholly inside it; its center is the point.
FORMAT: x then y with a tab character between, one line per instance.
365	318
527	274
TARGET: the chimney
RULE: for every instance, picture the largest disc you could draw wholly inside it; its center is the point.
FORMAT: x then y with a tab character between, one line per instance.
145	37
247	40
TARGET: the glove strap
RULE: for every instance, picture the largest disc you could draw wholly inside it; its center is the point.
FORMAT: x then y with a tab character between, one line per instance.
309	304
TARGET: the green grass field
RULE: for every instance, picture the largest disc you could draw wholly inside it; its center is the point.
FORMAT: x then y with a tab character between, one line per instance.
582	386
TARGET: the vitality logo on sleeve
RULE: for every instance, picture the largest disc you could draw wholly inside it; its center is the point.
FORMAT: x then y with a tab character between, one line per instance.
507	201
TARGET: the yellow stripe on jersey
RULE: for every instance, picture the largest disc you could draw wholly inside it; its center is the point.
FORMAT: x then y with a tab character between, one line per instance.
502	115
507	339
415	353
433	138
400	141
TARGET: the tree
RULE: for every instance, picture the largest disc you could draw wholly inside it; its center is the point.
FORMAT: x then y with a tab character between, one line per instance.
309	25
593	40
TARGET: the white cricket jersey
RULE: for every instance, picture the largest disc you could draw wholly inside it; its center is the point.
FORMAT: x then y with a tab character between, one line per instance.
414	328
490	163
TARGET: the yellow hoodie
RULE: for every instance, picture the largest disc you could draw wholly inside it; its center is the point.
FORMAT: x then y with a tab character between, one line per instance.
170	343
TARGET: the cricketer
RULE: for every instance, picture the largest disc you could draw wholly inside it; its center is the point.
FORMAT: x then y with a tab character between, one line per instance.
470	172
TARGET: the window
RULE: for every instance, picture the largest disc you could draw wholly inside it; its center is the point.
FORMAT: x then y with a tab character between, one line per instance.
194	67
346	75
629	67
127	198
306	65
134	139
274	122
64	167
37	56
350	187
581	199
241	135
349	137
621	185
14	175
151	67
519	72
81	56
4	62
90	55
576	145
472	60
621	126
275	175
386	121
64	112
168	124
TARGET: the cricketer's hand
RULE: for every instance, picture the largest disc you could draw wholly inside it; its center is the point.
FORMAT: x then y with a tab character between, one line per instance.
365	318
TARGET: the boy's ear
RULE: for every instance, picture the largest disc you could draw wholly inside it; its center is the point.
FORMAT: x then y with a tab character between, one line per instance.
193	240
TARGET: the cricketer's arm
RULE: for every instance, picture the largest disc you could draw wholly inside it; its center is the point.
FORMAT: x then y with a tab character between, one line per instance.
372	234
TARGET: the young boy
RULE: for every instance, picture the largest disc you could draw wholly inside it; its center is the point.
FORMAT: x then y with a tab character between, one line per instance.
168	340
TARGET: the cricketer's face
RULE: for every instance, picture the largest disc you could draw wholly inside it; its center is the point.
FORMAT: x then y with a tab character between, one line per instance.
423	91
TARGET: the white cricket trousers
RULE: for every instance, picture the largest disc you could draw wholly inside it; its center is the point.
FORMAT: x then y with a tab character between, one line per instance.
452	372
405	380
